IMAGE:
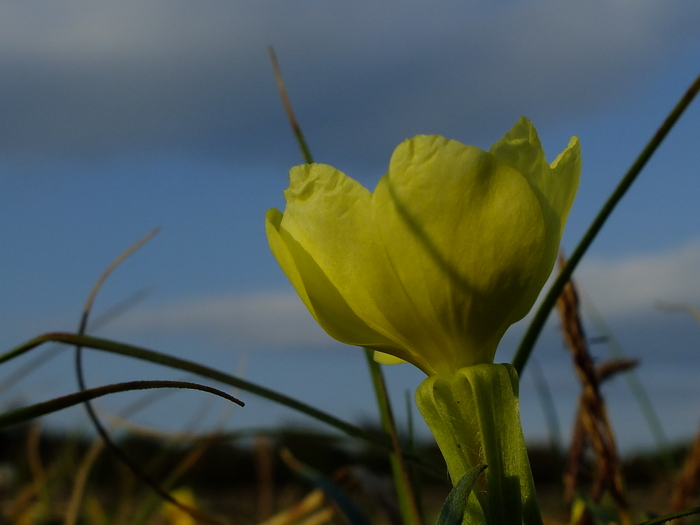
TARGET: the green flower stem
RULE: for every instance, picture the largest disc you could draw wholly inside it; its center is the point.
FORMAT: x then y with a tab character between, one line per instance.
475	418
533	331
400	472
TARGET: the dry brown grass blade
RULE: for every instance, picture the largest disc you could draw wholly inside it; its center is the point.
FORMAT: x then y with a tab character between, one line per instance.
33	499
694	311
611	367
101	430
575	459
26	496
36	465
296	128
688	479
319	518
603	371
592	414
264	466
307	509
361	482
80	484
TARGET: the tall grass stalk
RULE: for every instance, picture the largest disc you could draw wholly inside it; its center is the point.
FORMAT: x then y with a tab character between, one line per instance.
401	475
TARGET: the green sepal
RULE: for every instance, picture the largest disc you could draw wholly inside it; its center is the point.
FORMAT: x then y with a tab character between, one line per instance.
474	415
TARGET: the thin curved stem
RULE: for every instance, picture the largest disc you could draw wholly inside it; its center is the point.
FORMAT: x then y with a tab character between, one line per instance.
296	128
24	414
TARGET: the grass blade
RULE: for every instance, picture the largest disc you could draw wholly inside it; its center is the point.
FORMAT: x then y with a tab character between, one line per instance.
399	470
296	129
347	506
211	373
452	512
675	515
24	414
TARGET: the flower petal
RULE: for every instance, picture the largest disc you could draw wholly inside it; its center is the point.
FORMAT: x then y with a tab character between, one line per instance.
327	230
566	170
555	186
464	233
317	292
386	359
452	247
521	149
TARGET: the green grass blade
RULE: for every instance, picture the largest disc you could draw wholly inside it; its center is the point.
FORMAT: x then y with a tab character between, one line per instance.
414	473
455	506
399	470
533	331
201	370
675	515
24	414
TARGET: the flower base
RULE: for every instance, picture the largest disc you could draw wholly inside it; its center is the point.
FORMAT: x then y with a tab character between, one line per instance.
475	418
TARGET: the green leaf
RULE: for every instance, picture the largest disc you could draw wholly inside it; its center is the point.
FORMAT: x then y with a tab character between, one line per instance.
402	479
452	512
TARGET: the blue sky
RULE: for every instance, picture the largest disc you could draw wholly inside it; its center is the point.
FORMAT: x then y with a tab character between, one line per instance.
116	118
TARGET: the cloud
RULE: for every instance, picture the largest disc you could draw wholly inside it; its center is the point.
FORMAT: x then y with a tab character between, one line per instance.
629	286
267	320
620	288
83	79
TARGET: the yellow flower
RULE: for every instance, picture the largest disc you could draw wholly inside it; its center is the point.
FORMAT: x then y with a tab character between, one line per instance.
453	246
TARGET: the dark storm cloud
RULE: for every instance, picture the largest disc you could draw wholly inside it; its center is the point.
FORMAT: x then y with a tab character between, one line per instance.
79	79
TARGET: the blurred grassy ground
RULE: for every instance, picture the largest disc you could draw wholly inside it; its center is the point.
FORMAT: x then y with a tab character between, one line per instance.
244	477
